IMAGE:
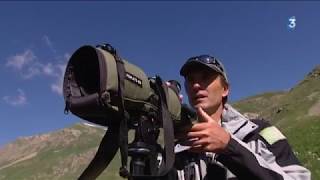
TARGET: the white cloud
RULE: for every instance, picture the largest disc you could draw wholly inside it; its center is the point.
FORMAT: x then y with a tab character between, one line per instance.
49	70
19	61
37	68
49	43
17	100
29	66
31	71
57	88
67	56
58	85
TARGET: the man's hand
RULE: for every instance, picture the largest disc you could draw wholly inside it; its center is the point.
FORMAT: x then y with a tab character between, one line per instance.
208	135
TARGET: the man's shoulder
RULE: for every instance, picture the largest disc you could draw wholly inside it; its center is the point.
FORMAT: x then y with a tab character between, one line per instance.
261	122
267	131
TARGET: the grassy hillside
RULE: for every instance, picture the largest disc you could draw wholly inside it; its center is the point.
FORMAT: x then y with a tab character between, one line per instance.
297	113
59	155
64	154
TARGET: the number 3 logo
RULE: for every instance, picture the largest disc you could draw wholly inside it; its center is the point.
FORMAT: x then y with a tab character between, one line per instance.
292	22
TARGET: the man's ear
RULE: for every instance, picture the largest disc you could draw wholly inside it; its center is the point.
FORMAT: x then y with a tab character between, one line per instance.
225	90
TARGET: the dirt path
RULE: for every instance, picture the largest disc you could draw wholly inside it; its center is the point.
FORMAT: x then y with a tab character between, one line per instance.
19	160
315	109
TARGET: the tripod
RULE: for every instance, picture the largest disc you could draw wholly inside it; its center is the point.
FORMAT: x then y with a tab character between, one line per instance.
148	159
144	147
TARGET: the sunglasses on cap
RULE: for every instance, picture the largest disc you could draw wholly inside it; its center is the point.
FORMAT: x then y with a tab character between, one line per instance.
206	59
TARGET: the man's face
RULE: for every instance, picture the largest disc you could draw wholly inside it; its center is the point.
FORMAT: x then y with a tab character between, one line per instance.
205	89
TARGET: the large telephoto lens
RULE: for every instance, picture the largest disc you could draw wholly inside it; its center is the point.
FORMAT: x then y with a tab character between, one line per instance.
86	70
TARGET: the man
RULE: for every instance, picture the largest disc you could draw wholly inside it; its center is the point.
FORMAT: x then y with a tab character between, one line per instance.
224	143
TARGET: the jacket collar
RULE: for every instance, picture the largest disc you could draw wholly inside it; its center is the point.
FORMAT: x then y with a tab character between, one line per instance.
236	123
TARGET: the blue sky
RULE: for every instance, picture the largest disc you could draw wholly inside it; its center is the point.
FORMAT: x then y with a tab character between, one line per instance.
253	40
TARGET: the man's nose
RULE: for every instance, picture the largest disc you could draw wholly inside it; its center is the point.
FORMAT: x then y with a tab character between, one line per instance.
196	86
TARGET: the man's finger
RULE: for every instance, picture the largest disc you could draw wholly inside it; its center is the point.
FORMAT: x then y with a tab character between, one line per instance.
204	117
196	134
198	127
200	142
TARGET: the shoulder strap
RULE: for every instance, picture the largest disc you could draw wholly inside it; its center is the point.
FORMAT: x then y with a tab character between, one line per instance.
167	127
106	151
123	131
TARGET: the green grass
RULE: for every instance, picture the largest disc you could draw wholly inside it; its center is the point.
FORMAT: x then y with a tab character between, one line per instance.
289	112
48	159
304	138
